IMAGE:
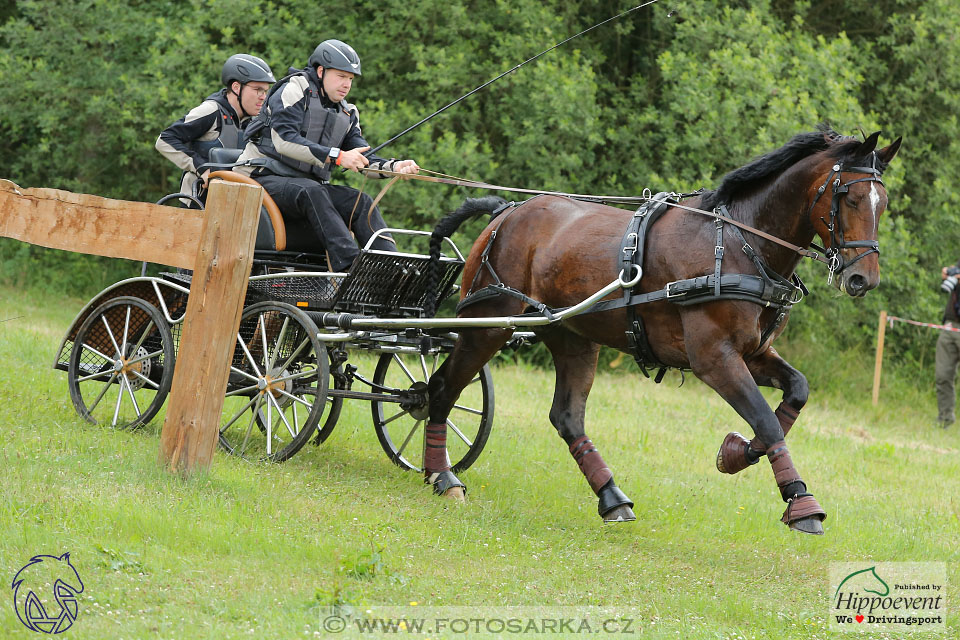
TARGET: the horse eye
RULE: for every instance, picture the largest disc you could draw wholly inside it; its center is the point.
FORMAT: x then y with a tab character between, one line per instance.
851	202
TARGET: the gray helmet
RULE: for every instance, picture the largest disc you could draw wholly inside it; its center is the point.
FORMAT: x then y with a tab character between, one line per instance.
335	54
244	68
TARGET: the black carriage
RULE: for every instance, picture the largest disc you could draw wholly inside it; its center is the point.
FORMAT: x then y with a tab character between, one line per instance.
290	373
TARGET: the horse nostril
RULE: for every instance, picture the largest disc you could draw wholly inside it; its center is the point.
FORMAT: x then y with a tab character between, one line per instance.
856	284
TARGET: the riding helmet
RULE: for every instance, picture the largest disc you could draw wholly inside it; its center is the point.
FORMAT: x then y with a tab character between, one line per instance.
335	54
244	68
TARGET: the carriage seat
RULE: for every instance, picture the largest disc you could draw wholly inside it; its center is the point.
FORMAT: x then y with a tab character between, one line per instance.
271	230
274	233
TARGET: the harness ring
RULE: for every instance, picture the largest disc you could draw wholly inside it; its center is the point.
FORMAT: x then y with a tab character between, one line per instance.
635	281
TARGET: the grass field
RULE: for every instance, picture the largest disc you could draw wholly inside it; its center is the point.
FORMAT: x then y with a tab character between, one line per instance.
256	550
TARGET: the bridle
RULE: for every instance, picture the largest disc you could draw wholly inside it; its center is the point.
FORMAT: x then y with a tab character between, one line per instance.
837	263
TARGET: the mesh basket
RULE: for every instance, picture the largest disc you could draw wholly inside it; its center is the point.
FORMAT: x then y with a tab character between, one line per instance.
392	284
316	293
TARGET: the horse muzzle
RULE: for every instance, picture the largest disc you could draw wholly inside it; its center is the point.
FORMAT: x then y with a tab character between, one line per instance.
859	274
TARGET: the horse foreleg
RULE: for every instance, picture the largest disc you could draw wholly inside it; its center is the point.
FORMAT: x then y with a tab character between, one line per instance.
473	349
575	360
729	376
768	370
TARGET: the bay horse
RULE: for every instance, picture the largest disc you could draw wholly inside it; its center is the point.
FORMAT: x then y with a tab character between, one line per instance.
553	252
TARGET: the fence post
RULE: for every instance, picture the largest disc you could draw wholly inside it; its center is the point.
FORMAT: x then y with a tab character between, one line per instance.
220	273
881	331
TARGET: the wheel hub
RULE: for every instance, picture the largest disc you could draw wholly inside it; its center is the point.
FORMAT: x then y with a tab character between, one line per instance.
124	366
417	401
270	384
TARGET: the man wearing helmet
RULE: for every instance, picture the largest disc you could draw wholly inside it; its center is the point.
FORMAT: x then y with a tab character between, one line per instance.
219	120
306	129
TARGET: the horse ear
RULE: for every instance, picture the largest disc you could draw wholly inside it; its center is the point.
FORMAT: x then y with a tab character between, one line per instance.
886	154
65	556
868	145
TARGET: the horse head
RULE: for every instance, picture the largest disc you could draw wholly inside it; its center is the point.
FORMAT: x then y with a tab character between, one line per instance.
848	199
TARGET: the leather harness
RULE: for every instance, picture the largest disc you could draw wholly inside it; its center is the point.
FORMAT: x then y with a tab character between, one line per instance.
768	289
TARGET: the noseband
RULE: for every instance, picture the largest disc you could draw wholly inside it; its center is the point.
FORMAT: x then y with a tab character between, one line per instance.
837	263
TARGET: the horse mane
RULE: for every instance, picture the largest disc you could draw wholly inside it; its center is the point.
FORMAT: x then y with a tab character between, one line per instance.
802	145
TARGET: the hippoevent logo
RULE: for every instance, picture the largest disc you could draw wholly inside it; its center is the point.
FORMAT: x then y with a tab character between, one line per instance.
45	593
889	596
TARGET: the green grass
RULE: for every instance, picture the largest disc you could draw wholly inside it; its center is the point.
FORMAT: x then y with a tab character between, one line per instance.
253	550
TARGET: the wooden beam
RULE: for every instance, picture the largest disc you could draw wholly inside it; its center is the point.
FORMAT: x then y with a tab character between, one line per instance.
100	226
878	361
209	335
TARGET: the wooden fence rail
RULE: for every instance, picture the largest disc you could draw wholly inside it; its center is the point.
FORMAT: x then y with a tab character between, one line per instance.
216	243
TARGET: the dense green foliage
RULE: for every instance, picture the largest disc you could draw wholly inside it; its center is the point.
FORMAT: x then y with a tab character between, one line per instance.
670	103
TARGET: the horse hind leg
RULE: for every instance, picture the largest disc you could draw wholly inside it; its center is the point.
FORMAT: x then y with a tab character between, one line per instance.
768	370
473	349
575	361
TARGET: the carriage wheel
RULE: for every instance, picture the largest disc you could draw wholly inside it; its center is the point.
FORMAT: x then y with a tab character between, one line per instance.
277	390
121	364
400	425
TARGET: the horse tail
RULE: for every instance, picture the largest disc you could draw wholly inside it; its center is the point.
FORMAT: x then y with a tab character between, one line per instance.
471	208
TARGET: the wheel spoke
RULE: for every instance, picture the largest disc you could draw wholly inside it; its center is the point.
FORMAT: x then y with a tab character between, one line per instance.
126	333
478	412
423	367
253	418
103	392
279	342
97	353
145	379
403	366
293	434
295	353
143	336
244	374
394	417
269	421
459	433
110	335
295	399
263	341
241	392
409	437
238	414
98	374
145	356
133	397
306	373
246	352
116	409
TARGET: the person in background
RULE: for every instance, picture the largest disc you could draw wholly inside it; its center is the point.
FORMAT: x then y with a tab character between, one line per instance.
948	347
219	120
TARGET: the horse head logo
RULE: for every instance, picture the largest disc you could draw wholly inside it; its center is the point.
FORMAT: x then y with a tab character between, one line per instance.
866	580
32	586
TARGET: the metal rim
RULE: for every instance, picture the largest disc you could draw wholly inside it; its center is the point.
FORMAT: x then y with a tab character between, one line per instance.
121	364
277	390
400	429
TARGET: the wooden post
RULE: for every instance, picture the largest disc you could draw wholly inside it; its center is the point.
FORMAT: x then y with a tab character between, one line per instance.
881	331
209	335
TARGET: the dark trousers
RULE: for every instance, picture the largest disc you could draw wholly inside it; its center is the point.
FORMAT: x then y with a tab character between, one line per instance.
333	213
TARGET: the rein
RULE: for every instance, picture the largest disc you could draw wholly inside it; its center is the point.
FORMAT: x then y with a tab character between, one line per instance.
443	178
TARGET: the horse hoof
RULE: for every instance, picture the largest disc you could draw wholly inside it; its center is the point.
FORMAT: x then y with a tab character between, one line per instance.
455	493
812	525
732	456
623	513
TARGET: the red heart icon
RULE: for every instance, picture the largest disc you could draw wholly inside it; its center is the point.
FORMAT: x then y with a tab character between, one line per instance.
859	618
